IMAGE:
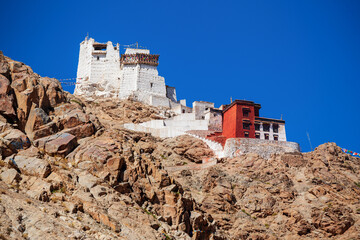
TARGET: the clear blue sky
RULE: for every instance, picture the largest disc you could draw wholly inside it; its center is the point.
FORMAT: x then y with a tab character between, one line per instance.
299	59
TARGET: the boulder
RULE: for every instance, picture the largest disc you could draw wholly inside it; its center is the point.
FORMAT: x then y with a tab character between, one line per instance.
5	151
15	140
33	166
44	131
123	187
7	99
65	108
10	176
30	152
40	190
4	65
190	147
115	163
62	145
74	118
38	124
87	180
59	144
53	91
25	100
36	119
81	131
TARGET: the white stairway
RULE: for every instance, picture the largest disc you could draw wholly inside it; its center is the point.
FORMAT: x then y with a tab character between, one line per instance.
215	146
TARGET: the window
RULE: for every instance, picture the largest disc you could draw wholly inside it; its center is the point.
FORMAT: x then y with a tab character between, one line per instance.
246	126
257	127
275	128
246	134
276	137
202	117
266	127
257	135
183	111
206	109
100	47
151	85
246	112
98	58
266	136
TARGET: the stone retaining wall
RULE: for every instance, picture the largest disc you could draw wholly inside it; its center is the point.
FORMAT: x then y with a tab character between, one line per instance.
235	147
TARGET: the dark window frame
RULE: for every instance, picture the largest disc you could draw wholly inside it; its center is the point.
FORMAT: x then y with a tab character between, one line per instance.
266	127
245	112
246	125
275	128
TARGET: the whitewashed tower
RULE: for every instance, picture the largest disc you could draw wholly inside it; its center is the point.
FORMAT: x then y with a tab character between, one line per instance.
98	69
140	78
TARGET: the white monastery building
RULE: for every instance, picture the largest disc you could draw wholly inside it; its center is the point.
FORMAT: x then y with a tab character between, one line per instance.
102	72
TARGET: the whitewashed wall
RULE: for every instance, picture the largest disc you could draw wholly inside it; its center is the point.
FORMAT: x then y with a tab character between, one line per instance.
98	70
199	107
281	132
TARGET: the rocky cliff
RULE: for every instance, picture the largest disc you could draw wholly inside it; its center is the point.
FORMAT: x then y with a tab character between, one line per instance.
68	170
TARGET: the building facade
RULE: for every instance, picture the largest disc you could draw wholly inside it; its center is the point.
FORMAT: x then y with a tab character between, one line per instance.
102	72
241	119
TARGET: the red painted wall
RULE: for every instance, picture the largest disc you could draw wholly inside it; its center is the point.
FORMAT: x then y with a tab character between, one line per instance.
232	124
229	122
233	121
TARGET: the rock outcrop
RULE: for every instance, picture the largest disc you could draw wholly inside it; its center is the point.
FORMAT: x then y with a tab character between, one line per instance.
68	170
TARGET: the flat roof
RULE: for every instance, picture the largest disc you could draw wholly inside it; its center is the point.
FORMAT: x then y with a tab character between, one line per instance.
269	119
241	102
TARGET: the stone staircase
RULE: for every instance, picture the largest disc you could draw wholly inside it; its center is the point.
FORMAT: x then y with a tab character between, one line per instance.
215	146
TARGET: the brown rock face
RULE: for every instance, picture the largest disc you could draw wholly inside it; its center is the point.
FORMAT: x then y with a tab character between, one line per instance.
15	140
39	107
33	166
59	144
190	147
21	87
4	66
7	100
119	184
37	124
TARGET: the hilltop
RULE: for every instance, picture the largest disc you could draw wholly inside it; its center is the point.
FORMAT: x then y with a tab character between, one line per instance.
69	170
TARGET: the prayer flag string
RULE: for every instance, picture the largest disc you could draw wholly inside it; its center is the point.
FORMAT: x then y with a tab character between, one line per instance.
350	152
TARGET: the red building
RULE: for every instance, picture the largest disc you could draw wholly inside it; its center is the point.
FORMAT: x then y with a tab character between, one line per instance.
241	119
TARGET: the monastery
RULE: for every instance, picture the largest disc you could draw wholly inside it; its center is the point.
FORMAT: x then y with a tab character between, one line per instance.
230	130
103	73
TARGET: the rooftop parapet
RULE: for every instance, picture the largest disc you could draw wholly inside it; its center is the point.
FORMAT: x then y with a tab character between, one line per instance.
139	58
